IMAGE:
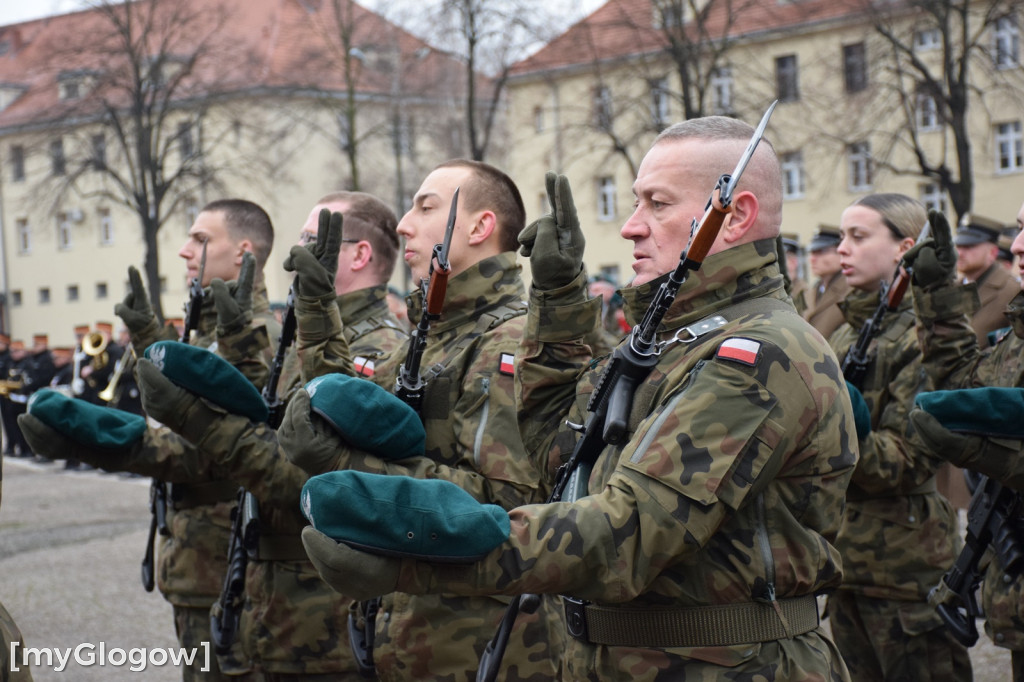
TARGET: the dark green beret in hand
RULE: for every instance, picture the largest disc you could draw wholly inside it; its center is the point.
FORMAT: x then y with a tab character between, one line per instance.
204	374
861	413
334	411
980	429
60	427
360	519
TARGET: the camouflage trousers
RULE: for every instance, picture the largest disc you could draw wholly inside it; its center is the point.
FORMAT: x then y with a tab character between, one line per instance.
192	627
883	639
288	677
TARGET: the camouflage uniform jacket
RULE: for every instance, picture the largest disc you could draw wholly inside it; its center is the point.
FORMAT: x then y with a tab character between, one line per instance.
729	488
954	360
193	558
472	440
899	535
292	622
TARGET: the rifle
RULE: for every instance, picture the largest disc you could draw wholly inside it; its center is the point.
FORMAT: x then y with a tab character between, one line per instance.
245	533
855	364
157	488
629	365
409	387
989	523
245	528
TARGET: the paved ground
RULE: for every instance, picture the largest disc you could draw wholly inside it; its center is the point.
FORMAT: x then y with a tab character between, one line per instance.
70	548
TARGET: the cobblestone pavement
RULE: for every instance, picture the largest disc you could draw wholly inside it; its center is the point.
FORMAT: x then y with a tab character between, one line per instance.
71	543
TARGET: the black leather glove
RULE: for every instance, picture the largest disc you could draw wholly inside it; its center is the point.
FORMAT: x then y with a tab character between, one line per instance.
136	311
315	265
554	243
233	300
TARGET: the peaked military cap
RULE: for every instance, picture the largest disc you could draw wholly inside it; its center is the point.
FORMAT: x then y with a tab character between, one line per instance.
825	237
94	425
791	242
1006	238
367	417
988	411
401	516
209	376
975	229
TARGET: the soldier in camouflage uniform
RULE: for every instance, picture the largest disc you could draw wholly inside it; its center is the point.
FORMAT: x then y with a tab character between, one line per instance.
722	504
193	557
293	626
953	359
470	420
899	535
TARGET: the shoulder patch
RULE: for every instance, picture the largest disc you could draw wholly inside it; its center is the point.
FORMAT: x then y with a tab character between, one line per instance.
506	364
744	351
363	366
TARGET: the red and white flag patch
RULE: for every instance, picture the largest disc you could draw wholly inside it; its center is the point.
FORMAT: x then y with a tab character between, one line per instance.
745	351
505	365
363	366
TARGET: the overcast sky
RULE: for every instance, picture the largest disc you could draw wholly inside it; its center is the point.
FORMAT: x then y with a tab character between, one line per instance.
13	11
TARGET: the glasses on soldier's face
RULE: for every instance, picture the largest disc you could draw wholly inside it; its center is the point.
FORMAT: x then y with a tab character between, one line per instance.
310	238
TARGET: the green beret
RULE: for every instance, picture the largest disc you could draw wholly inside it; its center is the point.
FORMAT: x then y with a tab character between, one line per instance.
209	376
986	411
94	425
401	516
367	416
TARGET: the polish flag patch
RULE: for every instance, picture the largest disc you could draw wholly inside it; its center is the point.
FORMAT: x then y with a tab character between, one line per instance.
745	351
363	366
505	365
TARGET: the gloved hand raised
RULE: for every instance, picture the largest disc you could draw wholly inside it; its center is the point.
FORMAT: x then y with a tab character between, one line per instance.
554	243
933	261
136	311
316	264
233	300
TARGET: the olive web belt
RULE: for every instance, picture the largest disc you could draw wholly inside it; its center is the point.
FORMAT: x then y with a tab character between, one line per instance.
697	626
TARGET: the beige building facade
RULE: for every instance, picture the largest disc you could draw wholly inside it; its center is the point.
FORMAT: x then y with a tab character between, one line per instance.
589	104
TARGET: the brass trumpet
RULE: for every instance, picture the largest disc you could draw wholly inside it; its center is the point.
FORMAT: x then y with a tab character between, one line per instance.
111	394
95	344
8	386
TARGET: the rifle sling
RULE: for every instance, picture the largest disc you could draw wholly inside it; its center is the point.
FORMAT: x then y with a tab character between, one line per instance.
695	626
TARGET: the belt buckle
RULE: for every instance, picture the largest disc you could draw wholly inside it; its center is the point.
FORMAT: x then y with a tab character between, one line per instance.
576	617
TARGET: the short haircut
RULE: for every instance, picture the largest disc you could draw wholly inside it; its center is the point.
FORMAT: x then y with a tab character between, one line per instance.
905	217
246	220
368	218
763	176
493	190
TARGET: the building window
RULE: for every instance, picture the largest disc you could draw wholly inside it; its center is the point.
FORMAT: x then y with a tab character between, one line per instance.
659	103
859	163
786	78
16	297
933	197
927	39
101	290
1006	42
793	175
927	113
57	160
603	108
99	151
1009	147
24	235
606	199
72	293
163	284
44	295
185	145
17	163
855	67
538	119
721	90
63	231
106	227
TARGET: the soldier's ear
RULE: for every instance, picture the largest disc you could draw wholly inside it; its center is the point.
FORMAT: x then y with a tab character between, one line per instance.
741	218
481	228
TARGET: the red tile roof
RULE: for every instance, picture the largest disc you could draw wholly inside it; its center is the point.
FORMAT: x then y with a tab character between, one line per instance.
623	28
290	44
